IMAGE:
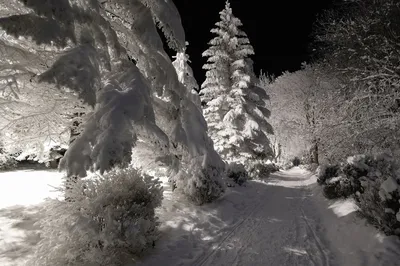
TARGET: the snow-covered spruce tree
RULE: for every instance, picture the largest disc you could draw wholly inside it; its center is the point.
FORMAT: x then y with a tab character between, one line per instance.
83	47
234	105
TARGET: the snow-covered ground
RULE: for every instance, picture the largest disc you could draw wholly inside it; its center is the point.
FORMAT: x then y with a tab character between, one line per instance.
20	192
284	221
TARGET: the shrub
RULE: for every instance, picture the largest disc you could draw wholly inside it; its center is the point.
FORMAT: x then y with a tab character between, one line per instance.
338	187
326	172
312	167
272	167
374	183
7	162
379	210
286	165
377	191
200	180
259	170
296	161
237	172
306	159
111	217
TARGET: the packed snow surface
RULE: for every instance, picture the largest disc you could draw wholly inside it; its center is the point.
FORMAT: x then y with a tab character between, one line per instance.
282	221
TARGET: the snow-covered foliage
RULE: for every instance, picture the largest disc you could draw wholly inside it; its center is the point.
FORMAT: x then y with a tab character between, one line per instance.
234	106
185	75
200	180
374	182
260	170
7	162
33	115
237	172
338	187
379	194
325	172
86	49
111	217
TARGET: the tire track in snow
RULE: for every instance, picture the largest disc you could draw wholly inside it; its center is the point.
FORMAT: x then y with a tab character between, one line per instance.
299	229
204	259
260	236
317	240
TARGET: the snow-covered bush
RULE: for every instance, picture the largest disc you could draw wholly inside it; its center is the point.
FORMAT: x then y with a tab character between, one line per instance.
271	167
306	158
355	169
296	161
110	217
336	184
41	155
237	172
260	170
7	162
312	167
200	180
377	192
286	165
338	187
326	172
373	181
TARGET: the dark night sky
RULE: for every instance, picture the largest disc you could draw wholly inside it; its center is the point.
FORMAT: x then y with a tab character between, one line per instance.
278	30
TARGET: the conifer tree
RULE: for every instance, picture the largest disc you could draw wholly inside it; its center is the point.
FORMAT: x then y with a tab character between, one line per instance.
234	106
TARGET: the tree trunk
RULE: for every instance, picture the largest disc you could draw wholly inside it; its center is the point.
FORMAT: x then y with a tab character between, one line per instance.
310	117
74	133
314	152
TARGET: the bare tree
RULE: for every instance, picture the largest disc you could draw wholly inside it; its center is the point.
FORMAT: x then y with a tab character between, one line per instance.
359	44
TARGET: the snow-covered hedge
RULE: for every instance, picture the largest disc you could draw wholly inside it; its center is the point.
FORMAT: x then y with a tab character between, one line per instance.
296	161
110	218
376	181
237	172
261	170
7	162
373	181
200	180
312	167
326	172
336	184
338	187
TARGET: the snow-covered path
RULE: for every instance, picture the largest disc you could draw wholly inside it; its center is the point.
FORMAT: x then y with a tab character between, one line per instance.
285	221
277	230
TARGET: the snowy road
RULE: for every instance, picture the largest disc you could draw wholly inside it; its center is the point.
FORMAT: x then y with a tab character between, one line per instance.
278	230
284	222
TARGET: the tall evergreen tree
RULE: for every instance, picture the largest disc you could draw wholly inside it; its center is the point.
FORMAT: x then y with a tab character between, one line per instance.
234	106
